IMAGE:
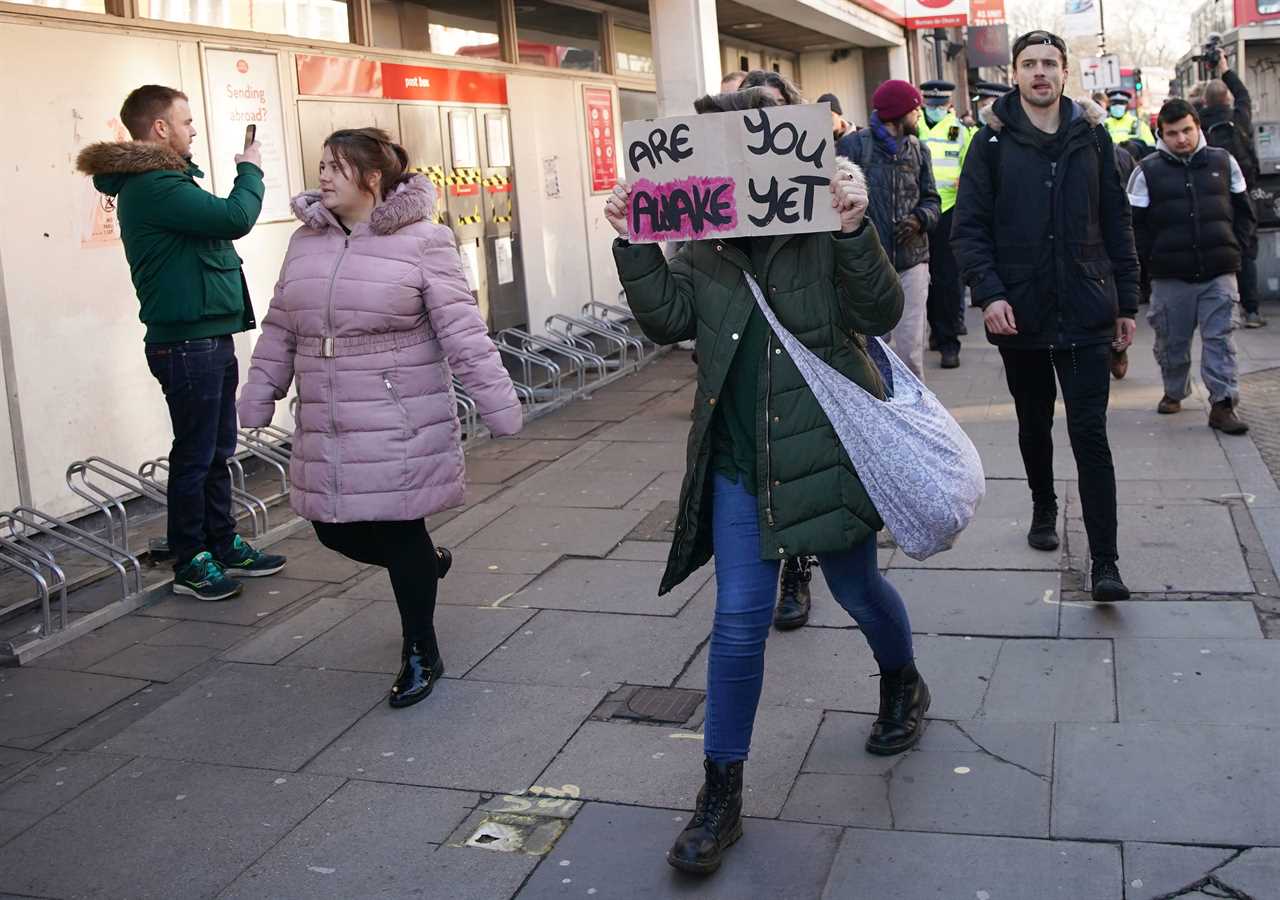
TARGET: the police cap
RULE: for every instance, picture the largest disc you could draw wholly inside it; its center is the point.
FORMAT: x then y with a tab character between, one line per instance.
937	92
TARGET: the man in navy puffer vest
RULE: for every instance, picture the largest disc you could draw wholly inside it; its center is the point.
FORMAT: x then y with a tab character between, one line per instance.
1193	223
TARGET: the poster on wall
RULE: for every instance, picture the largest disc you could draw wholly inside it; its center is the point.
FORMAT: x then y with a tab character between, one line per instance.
732	174
243	89
99	225
600	139
986	12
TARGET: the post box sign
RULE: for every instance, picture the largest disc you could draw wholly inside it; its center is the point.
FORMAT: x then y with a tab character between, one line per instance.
734	174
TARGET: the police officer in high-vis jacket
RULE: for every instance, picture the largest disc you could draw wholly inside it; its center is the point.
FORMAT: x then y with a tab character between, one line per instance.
1123	124
948	141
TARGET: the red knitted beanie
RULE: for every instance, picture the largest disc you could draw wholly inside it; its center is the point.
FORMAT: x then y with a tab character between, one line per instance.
894	99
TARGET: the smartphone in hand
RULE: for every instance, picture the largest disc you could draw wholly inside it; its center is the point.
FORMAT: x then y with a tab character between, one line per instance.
250	135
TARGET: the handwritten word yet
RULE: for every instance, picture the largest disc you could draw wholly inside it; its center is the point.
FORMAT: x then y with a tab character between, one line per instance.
781	203
782	140
675	146
691	208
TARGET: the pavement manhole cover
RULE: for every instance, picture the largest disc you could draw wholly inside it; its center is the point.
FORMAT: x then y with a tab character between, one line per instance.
671	706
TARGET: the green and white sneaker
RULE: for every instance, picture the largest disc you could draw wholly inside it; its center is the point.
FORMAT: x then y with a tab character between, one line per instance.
204	579
245	562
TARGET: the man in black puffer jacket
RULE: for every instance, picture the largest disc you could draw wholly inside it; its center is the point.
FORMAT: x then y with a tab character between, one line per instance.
1044	239
1194	223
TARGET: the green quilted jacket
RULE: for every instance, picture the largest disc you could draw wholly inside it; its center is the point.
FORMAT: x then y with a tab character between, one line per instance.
828	291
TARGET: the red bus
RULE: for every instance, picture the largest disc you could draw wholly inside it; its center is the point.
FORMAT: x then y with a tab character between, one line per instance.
1251	12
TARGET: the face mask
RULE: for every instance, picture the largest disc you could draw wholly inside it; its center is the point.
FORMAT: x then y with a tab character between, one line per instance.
934	114
1118	110
984	114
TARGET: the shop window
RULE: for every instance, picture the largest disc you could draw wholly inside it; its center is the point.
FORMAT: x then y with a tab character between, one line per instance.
636	105
561	37
634	51
324	20
448	27
95	6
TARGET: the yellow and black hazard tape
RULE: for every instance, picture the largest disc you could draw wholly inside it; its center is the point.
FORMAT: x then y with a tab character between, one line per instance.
501	219
434	173
465	176
470	220
497	181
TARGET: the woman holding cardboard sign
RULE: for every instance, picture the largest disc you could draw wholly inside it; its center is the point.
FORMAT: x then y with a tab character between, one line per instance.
767	477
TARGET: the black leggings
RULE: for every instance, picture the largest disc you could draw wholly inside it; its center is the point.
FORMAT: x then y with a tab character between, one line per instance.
405	550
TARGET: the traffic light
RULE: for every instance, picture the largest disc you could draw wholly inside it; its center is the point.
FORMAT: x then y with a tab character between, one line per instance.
1137	79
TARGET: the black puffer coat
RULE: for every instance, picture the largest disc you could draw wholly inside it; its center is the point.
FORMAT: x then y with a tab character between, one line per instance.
1047	227
898	186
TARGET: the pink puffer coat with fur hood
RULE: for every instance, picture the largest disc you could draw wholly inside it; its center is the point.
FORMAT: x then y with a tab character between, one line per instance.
374	326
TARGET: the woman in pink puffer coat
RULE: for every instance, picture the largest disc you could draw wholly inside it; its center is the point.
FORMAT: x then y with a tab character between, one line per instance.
373	317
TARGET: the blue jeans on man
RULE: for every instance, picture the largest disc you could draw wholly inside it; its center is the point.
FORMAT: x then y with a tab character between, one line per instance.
199	379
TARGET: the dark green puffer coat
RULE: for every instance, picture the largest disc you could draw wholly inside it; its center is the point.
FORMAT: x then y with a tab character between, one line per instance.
828	291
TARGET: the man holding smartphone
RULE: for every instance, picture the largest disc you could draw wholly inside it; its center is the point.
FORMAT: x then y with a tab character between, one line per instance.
194	297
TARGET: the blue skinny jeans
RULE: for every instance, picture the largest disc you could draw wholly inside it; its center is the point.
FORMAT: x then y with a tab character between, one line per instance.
746	591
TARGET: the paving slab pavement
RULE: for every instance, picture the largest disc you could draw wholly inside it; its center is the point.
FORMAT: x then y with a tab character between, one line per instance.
1063	756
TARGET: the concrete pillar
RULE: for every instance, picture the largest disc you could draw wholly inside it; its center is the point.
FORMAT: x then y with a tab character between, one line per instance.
899	63
686	52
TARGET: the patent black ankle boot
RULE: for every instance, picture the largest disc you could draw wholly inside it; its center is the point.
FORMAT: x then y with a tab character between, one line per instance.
418	675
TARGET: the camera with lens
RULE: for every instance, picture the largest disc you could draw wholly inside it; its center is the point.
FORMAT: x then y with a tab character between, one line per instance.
1211	53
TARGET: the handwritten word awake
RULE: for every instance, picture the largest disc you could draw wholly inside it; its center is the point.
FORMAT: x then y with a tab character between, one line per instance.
690	208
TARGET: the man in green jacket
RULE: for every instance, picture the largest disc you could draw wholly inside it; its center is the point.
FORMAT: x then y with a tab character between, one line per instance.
177	238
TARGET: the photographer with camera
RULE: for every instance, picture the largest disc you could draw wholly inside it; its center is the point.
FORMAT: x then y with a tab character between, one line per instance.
1227	120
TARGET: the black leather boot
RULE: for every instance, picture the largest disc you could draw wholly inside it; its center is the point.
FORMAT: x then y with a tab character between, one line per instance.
1108	587
904	699
418	674
793	596
1044	527
716	823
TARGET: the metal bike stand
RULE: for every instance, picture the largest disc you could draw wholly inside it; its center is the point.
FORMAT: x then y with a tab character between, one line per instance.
254	506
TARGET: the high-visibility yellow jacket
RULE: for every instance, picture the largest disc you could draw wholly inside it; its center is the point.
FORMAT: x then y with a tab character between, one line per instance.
948	144
1129	127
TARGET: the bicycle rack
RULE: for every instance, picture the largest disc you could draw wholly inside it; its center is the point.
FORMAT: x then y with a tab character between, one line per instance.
470	412
527	388
564	327
581	359
254	506
118	558
105	501
260	447
619	318
21	560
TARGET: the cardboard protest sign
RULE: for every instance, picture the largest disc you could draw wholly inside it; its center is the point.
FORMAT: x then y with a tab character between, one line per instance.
733	174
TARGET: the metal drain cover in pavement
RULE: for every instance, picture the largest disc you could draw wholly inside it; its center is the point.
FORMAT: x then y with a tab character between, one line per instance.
654	704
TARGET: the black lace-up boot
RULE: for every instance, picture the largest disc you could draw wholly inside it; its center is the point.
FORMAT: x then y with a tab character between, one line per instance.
904	699
716	823
1044	526
793	596
1107	584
